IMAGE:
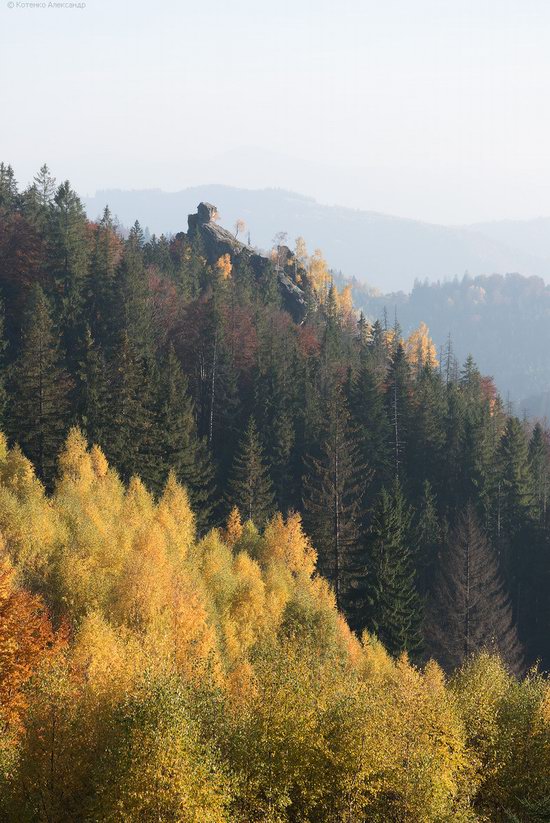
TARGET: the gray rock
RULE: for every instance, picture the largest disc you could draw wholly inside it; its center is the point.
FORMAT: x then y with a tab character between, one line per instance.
218	241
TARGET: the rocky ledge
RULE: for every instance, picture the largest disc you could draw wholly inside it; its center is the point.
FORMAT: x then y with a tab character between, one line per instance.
218	241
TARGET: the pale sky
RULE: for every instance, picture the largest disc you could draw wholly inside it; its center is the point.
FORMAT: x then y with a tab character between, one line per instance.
432	109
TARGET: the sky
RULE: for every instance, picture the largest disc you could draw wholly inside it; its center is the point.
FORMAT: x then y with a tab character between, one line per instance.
431	109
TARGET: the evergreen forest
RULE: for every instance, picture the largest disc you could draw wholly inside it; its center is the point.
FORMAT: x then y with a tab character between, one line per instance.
261	558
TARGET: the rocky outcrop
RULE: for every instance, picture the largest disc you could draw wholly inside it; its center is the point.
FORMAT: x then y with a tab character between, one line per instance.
217	241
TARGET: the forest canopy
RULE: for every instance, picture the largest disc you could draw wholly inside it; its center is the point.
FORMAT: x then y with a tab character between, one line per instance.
261	558
149	673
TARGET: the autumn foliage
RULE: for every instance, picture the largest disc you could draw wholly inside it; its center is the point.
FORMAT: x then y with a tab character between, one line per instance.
212	679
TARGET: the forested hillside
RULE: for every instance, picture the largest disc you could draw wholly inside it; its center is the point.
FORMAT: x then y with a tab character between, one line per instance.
504	319
256	407
209	680
178	355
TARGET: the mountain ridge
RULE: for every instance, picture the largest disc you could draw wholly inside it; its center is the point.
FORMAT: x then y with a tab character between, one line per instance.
386	251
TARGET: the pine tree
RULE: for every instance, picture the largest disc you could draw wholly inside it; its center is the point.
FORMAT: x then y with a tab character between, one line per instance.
38	416
334	488
250	488
471	611
395	609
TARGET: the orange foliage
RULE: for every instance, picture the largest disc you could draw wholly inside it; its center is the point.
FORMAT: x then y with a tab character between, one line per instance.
224	266
26	637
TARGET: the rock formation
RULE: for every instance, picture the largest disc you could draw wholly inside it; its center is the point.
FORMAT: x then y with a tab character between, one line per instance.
217	241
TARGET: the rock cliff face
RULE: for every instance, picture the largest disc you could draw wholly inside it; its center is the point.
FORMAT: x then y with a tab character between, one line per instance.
218	241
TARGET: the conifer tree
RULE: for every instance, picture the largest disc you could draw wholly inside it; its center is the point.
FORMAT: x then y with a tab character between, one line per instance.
378	352
334	488
429	539
103	307
397	402
477	458
37	199
471	611
178	447
3	370
516	521
452	489
426	434
539	461
250	488
38	416
516	492
8	189
395	609
372	426
132	293
93	395
68	258
129	438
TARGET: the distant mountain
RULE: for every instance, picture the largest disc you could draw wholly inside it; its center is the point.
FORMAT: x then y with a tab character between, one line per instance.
387	252
530	236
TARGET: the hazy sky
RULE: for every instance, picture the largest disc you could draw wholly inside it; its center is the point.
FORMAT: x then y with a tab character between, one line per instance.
433	109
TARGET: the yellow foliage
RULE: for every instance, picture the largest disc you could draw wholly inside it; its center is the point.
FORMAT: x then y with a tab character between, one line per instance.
191	660
224	266
319	276
176	518
420	349
234	528
286	543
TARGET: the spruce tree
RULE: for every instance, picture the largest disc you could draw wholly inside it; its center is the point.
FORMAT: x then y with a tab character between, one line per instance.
68	259
9	196
103	304
539	462
93	395
372	426
177	446
132	292
516	521
129	439
395	609
39	389
470	611
426	432
429	539
397	403
250	488
37	199
334	487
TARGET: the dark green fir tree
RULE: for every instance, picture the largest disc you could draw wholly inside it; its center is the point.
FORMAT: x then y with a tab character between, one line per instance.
395	608
250	488
39	389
